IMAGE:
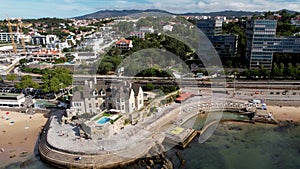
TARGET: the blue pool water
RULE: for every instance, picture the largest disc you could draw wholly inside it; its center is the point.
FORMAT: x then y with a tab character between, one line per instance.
103	120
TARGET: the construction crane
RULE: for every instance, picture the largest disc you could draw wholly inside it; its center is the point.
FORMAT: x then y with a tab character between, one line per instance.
22	37
11	36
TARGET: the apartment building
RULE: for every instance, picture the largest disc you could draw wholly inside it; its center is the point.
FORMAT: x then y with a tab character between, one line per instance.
6	37
225	45
262	43
43	39
45	55
210	27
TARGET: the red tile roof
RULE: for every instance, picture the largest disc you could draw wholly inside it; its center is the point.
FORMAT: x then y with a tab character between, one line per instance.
123	41
47	52
183	96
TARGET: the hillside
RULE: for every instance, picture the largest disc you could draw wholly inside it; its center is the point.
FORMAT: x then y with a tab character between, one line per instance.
120	13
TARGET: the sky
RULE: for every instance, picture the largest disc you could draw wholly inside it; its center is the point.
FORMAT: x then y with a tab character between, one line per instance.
71	8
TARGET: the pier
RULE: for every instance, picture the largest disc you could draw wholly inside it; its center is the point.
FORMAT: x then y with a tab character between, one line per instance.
179	136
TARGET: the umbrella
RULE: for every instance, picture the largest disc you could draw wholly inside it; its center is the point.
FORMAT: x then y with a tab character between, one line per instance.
7	113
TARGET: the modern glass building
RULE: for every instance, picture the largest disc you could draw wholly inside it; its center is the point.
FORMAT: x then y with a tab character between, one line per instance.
211	27
262	43
225	45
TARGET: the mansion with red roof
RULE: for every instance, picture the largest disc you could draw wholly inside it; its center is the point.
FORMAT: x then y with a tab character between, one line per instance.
124	44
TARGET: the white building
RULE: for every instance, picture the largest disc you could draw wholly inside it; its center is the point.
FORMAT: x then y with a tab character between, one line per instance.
6	37
126	97
83	56
124	44
11	100
140	35
6	50
147	29
43	39
168	28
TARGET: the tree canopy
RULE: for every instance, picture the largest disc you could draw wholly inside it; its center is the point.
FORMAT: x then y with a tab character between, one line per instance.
27	82
56	79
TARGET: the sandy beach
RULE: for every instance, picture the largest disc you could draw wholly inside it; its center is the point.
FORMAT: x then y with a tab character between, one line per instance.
285	113
18	135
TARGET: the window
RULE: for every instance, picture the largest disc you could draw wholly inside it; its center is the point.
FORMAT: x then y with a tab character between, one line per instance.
97	105
90	105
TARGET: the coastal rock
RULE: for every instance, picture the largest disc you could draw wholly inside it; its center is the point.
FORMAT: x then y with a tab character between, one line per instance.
26	163
182	161
164	167
168	164
150	163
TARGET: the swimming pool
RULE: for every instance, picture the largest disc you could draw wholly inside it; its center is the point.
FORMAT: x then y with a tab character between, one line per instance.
103	120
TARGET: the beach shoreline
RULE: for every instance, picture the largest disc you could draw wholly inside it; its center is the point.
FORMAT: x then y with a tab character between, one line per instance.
285	113
19	133
18	139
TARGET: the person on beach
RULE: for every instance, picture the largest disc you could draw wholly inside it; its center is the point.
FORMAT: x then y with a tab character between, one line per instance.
270	116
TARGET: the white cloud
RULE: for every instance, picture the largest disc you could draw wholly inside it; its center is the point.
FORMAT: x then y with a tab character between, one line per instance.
247	5
219	5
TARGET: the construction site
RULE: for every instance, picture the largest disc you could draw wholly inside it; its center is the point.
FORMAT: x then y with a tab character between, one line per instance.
15	50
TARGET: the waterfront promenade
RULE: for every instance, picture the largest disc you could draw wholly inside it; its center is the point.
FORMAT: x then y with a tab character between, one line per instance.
61	145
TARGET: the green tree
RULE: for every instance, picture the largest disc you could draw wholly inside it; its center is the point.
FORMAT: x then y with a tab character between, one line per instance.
22	61
105	67
291	71
149	87
56	79
66	50
27	82
281	69
11	77
264	72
